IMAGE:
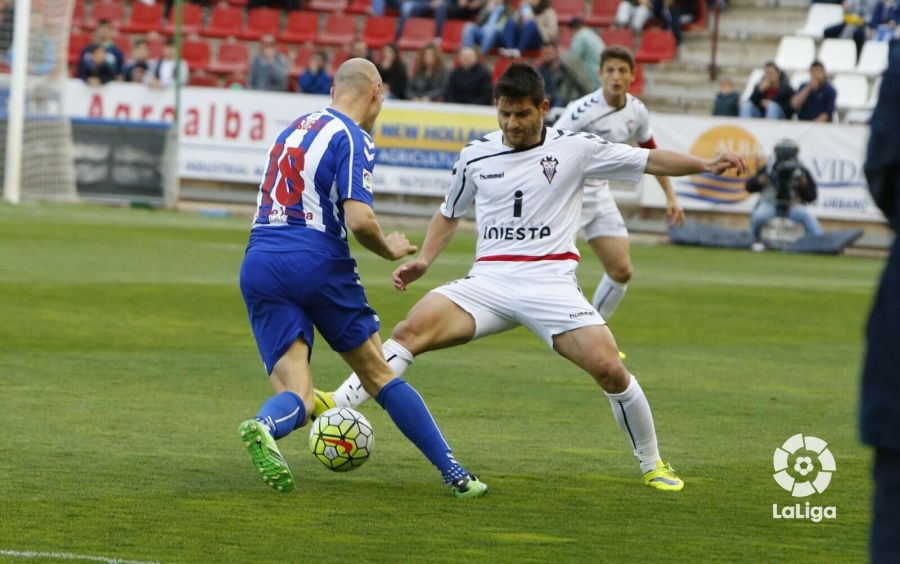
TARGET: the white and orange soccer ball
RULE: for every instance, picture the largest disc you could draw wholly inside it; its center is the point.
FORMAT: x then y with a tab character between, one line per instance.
341	439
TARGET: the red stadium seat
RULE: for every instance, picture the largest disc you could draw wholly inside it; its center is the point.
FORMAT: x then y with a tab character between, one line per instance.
300	28
327	5
106	10
500	66
568	9
603	13
301	59
565	38
232	58
618	36
78	12
144	18
236	79
261	21
637	85
238	3
338	57
155	47
700	21
417	33
378	31
191	19
339	30
359	7
123	42
656	45
201	78
451	40
225	21
196	53
77	42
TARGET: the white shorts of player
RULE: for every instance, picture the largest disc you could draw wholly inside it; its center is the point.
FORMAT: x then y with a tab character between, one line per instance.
547	304
600	216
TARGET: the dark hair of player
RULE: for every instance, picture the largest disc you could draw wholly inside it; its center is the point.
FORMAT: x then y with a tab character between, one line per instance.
617	52
520	81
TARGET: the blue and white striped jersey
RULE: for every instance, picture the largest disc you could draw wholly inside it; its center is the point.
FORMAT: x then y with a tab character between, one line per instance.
320	160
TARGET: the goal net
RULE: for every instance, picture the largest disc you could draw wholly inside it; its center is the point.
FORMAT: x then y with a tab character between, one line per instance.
35	133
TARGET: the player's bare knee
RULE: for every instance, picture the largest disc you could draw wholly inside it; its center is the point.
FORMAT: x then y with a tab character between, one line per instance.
410	335
621	273
610	374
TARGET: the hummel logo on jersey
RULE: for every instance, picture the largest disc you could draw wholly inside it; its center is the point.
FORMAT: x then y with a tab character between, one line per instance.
491	176
549	163
581	314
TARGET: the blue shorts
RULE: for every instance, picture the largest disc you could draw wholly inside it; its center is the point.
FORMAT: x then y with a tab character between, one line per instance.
287	293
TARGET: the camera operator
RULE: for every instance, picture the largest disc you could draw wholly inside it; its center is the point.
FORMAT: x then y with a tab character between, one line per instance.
784	189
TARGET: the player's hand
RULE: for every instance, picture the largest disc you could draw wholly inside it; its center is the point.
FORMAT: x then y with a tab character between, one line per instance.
408	273
675	213
399	246
726	161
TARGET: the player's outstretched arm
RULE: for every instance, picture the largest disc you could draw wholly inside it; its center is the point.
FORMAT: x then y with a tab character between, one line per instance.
361	221
440	232
671	163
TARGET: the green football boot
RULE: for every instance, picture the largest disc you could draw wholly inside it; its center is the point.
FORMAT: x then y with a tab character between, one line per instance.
265	456
663	478
323	401
468	486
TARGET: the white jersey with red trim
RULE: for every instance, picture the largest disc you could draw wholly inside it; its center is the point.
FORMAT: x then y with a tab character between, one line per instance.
528	201
629	124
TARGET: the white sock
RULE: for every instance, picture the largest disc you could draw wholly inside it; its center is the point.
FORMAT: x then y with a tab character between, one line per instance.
632	412
608	295
352	394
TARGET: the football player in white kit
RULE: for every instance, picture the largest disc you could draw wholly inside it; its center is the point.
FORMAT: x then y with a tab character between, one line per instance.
615	115
525	181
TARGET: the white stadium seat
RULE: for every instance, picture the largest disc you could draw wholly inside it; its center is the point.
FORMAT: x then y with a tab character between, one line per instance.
852	91
752	81
874	58
819	17
873	94
795	53
798	79
838	55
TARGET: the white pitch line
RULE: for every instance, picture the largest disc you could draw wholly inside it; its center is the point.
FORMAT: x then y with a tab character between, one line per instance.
69	556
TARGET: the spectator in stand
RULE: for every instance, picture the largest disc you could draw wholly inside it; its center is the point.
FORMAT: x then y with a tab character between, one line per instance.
815	99
168	6
856	14
487	30
634	14
534	25
554	74
464	9
429	77
278	4
162	73
670	14
97	70
7	16
771	98
470	82
380	6
103	36
41	49
359	50
136	69
393	73
582	61
727	100
883	24
421	8
269	68
315	79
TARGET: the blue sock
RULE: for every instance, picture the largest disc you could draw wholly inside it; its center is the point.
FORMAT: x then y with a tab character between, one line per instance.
410	414
282	413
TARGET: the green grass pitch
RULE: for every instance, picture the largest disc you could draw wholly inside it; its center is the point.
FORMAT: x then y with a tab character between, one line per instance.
126	364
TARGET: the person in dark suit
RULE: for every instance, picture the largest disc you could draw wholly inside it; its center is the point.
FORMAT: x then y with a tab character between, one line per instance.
880	401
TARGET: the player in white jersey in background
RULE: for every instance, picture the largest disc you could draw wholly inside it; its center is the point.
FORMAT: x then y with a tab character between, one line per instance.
615	115
526	183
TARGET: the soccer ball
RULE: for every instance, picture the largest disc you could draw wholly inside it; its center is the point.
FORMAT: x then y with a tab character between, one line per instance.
341	439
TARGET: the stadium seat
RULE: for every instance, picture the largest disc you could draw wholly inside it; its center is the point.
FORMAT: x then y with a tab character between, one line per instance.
359	7
852	91
327	5
378	31
637	85
339	30
77	42
78	12
231	58
417	33
144	18
105	10
196	53
262	21
301	59
603	13
755	76
565	38
123	42
656	45
838	55
191	19
568	9
798	79
155	46
873	59
875	92
699	22
202	78
795	53
225	21
300	27
238	3
451	39
337	57
618	36
500	66
819	17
